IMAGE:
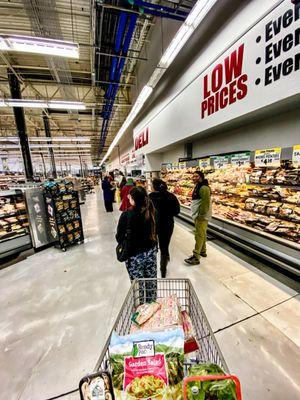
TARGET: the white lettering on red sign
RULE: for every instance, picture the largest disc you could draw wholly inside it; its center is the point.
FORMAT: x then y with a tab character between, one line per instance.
142	139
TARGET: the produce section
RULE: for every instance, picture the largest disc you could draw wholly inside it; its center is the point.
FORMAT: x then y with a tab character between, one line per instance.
264	199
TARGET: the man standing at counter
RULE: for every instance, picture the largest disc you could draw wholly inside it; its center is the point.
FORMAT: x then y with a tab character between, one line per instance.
201	213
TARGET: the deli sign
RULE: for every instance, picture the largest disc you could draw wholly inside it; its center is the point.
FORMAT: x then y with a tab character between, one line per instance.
142	139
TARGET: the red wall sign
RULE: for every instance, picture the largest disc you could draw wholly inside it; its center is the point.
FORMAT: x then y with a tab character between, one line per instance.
225	85
141	139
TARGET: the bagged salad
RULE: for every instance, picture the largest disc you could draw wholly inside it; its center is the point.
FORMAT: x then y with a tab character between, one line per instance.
210	389
148	365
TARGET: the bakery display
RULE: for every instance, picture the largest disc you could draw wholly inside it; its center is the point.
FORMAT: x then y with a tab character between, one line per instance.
13	216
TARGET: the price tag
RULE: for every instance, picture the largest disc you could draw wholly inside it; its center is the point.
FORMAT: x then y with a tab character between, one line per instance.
268	157
296	155
221	162
182	165
175	165
240	159
204	163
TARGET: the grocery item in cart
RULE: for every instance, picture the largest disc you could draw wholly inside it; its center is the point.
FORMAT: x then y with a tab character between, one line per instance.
209	382
96	386
190	341
148	365
167	316
144	312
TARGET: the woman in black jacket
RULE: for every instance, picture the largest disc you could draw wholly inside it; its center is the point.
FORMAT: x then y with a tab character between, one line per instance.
139	224
167	207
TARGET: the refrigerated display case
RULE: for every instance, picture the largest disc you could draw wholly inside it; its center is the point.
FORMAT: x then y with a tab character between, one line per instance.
256	207
14	224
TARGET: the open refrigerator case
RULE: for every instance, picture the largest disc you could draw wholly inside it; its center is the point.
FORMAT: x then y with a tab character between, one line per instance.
14	224
257	204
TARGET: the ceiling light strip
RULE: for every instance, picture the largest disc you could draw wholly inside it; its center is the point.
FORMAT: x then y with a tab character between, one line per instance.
38	45
53	104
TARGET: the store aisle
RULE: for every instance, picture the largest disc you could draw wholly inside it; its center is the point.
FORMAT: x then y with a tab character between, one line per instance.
58	308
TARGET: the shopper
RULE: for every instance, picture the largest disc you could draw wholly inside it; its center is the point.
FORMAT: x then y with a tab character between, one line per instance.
201	213
138	227
167	207
108	194
125	203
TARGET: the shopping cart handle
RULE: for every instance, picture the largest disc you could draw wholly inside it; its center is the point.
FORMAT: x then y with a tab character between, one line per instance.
212	378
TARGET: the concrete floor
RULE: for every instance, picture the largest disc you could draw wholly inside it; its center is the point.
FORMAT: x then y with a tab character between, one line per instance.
57	310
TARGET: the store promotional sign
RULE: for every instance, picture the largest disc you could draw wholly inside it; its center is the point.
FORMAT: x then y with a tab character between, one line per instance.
259	69
221	162
268	157
125	159
296	156
204	163
240	159
142	139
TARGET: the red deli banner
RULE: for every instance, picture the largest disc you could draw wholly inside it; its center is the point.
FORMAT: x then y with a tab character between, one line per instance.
142	139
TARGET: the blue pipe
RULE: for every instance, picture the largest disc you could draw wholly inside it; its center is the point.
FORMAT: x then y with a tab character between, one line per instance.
117	66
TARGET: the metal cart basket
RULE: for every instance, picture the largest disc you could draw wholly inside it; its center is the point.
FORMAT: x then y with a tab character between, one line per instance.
143	290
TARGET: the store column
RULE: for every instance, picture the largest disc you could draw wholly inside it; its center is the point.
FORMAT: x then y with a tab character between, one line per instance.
48	134
15	91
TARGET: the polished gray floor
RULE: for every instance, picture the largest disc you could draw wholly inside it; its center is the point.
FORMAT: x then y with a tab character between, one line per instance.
57	310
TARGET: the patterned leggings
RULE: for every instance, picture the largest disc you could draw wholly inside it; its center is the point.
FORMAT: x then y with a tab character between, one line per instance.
141	266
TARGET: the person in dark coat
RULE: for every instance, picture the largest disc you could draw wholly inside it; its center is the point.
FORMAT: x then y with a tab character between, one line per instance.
140	220
167	207
108	194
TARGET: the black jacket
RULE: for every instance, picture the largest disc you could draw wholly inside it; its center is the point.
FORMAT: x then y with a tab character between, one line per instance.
167	207
140	232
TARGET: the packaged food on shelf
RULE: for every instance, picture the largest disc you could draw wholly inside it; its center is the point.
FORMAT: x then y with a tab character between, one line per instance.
148	365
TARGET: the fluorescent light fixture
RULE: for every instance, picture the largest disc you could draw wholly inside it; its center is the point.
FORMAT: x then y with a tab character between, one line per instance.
26	103
66	105
59	139
66	145
38	45
32	103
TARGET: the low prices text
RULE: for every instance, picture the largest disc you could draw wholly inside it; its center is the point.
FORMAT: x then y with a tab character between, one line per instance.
225	85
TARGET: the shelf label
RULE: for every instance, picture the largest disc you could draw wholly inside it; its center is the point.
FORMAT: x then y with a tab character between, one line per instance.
240	159
268	157
204	163
182	165
221	162
175	165
296	155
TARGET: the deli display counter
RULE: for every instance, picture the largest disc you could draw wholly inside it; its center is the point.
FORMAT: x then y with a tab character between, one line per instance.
255	207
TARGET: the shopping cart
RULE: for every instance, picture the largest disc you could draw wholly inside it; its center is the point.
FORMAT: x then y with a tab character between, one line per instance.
143	290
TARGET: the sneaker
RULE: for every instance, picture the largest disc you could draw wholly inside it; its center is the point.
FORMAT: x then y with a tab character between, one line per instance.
190	258
203	254
192	261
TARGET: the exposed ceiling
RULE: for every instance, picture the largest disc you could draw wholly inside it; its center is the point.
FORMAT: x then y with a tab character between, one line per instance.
102	77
